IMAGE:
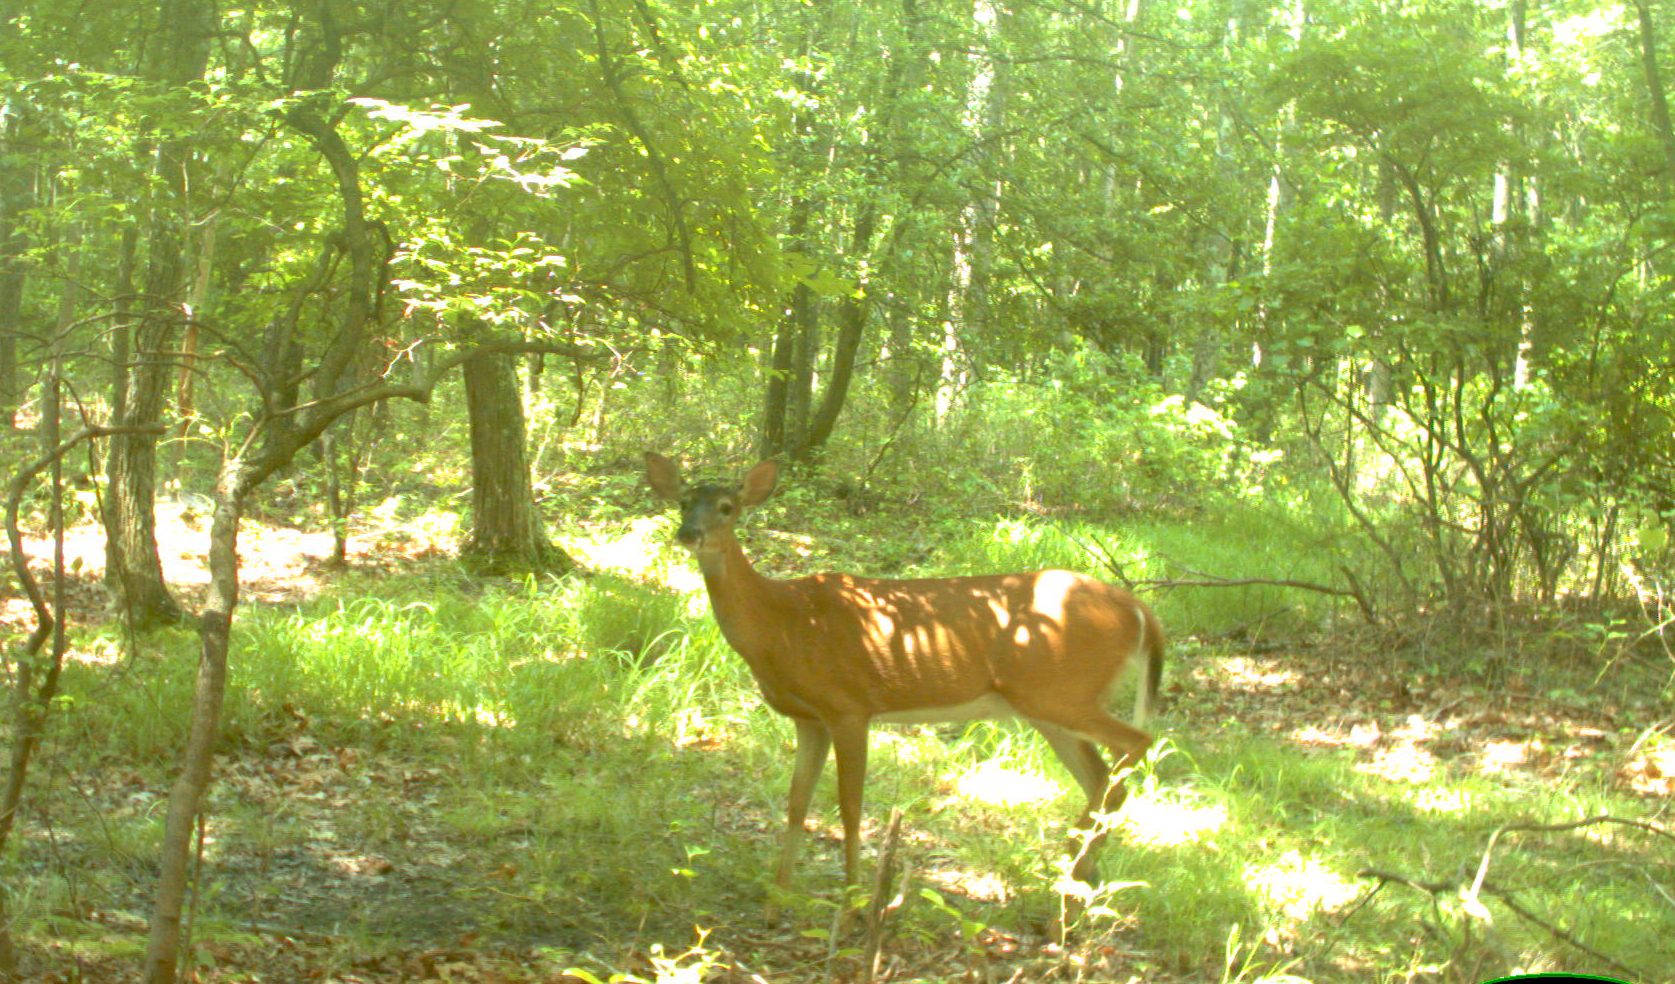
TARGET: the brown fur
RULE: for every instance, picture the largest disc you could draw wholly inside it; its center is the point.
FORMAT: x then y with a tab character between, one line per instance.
834	652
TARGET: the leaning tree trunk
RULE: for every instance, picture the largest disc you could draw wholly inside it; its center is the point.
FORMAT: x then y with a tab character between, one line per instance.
506	528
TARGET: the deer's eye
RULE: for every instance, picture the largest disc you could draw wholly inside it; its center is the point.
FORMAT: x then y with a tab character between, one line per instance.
726	509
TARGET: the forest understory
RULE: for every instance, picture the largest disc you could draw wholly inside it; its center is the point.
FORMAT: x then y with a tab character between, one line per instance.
423	847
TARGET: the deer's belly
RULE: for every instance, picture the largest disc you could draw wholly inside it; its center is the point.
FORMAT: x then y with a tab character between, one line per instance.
986	706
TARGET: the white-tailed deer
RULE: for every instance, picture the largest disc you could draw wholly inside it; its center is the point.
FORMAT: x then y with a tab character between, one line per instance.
835	653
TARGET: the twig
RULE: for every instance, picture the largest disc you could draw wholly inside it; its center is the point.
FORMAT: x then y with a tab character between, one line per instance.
1352	592
1360	903
1433	887
1096	545
1480	884
1656	887
895	432
1483	865
878	910
1560	933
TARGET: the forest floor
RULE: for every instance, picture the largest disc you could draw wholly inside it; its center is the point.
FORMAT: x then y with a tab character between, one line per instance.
279	906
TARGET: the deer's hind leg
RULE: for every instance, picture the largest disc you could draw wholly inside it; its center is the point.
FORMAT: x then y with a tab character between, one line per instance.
1073	738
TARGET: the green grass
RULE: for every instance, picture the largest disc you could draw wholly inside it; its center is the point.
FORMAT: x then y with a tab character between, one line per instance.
582	764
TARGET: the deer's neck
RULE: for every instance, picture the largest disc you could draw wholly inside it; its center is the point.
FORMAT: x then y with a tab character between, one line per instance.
740	597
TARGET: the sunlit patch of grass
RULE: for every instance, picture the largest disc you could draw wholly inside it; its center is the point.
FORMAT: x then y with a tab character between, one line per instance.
998	785
637	547
1444	800
1301	887
1402	762
1171	818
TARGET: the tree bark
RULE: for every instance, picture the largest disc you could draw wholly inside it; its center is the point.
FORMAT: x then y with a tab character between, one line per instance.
16	193
506	529
968	300
785	399
133	569
1659	100
186	796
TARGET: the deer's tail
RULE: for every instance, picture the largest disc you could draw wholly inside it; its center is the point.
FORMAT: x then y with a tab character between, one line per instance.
1153	641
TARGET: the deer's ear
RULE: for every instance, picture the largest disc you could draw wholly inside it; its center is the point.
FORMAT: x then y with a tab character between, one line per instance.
663	475
759	483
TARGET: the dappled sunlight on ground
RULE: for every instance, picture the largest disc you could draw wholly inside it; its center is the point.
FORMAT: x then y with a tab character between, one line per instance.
996	785
980	886
634	550
1504	756
1402	762
1409	727
1364	735
1300	887
1170	819
1252	673
905	744
692	728
1431	800
1652	771
1400	755
15	613
276	564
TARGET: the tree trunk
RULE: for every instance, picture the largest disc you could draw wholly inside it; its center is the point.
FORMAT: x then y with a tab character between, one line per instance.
16	193
133	570
799	388
1659	100
1222	244
854	310
186	797
35	677
785	399
986	98
772	440
506	529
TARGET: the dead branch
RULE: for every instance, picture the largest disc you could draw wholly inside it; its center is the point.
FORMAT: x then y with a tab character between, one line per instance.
878	910
1481	886
1199	579
1211	581
1563	935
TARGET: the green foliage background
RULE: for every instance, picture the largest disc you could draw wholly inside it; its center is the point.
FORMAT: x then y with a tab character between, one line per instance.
1371	297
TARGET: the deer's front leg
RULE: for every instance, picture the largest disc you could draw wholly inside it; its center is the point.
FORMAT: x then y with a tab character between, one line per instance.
812	745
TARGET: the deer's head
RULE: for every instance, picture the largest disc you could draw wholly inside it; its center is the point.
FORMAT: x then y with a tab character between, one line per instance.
708	512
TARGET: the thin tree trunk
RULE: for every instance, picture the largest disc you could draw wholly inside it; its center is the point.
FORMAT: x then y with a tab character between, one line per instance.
854	310
31	701
968	298
785	398
771	440
799	389
1659	100
1222	247
185	798
16	194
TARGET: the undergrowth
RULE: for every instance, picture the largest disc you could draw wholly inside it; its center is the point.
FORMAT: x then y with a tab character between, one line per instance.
579	769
